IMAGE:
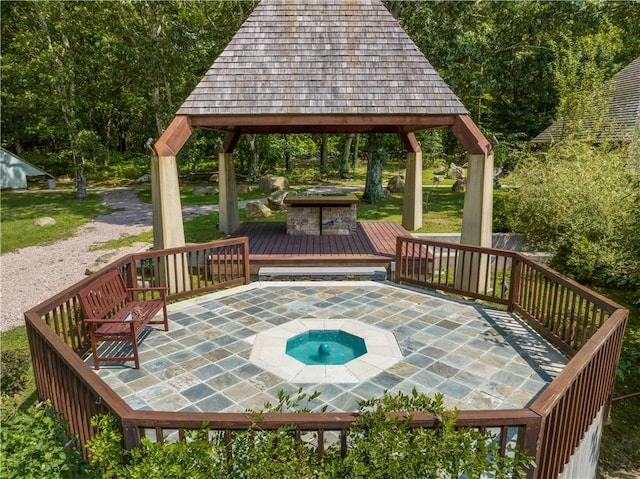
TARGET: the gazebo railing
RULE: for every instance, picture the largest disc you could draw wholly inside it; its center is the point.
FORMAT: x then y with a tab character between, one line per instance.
584	325
548	430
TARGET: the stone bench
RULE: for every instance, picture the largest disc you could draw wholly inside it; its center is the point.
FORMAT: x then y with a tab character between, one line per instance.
361	273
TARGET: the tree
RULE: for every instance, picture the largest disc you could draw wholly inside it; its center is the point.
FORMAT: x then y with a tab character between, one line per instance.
379	147
343	166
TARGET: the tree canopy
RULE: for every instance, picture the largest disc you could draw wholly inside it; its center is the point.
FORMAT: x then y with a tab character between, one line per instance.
87	79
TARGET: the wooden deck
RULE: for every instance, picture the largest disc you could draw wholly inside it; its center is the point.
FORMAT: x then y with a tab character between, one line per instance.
374	244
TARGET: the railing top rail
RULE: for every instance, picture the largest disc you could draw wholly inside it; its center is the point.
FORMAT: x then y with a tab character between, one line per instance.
193	247
316	420
461	246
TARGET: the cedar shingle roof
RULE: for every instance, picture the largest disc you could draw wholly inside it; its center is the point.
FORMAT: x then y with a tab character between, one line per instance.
321	57
623	119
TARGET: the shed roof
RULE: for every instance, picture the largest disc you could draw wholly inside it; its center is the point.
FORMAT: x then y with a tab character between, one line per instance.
14	171
333	65
623	118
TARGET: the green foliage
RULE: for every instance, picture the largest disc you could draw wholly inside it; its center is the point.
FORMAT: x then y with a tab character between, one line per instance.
381	445
35	444
575	200
580	72
105	446
502	211
14	375
629	365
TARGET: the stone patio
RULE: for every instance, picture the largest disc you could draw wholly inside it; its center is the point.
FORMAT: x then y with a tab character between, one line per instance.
477	356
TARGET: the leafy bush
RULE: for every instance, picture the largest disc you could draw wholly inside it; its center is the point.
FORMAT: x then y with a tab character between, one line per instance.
380	445
35	444
576	200
502	211
14	371
629	365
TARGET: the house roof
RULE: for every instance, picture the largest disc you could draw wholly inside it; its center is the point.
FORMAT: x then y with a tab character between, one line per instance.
330	65
623	118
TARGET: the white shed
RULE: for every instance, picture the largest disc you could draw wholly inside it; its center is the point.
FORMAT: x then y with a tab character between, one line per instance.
14	172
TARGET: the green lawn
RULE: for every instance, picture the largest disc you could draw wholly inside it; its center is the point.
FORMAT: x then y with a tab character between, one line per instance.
19	211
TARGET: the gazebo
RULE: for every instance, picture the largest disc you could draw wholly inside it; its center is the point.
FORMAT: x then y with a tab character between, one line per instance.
327	66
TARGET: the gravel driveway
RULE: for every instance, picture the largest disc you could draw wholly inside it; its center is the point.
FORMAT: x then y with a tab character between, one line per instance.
33	274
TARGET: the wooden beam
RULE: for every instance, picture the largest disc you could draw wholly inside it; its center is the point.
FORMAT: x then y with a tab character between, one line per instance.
472	139
410	142
174	137
341	123
230	142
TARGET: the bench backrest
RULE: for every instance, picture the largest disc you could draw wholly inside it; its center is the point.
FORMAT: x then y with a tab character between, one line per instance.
102	296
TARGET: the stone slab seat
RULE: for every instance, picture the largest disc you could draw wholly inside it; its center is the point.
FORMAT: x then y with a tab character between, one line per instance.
326	273
117	313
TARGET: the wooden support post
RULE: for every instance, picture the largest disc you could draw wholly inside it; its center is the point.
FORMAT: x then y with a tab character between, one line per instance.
168	229
229	214
412	205
477	216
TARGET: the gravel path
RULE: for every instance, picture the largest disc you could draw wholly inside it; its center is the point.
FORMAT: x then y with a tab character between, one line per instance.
31	275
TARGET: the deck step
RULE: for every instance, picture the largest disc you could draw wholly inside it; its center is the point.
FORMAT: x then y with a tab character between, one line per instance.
362	273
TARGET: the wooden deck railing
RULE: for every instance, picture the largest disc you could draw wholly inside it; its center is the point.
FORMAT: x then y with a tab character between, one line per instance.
584	324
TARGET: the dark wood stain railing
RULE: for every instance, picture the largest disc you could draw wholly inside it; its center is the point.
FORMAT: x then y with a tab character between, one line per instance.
585	325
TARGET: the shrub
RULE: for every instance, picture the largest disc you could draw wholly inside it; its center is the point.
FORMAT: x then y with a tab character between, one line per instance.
502	211
629	365
35	444
576	200
380	445
14	371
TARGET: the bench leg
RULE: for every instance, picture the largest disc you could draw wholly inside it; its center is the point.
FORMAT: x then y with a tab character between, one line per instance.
134	346
166	319
94	348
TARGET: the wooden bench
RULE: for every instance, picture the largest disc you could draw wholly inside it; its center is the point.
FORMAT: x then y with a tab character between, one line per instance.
116	313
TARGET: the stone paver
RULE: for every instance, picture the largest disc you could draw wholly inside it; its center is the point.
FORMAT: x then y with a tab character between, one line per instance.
478	357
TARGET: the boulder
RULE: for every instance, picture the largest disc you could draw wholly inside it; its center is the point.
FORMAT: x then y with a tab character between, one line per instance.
204	190
441	170
276	200
101	262
396	185
455	172
257	209
143	179
44	221
460	185
243	189
270	183
437	179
